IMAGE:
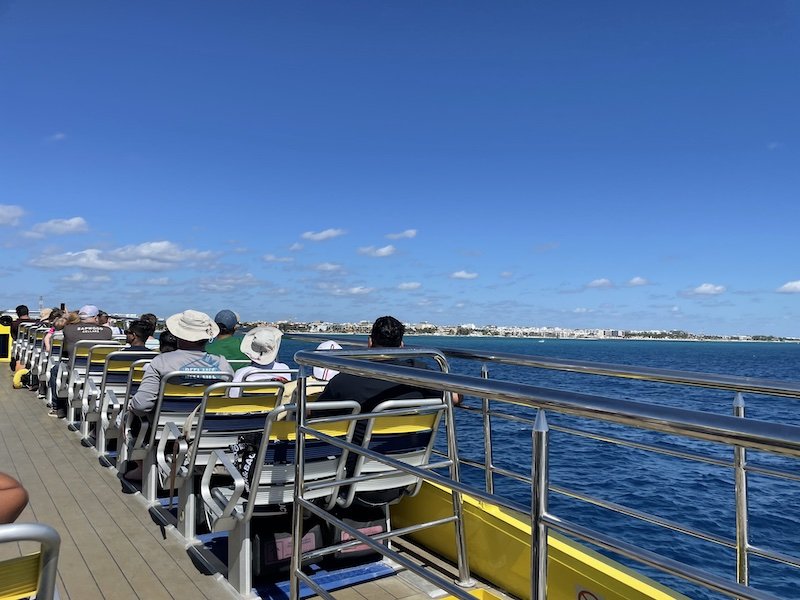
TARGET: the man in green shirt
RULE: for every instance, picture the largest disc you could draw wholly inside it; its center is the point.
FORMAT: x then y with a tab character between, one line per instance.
226	344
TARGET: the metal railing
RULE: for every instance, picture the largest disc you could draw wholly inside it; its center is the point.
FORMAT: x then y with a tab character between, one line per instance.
731	430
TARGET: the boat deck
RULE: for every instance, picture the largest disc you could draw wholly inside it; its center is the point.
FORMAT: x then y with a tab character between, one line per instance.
110	545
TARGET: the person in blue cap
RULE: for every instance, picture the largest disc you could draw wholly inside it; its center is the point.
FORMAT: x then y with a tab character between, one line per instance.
226	344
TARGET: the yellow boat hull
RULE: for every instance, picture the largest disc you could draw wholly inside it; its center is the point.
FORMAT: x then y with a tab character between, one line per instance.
499	546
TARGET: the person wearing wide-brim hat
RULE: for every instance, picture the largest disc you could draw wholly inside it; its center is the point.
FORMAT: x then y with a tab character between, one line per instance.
261	346
193	329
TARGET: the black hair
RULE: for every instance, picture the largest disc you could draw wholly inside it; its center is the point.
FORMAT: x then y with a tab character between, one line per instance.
141	329
167	342
224	330
387	332
22	310
151	320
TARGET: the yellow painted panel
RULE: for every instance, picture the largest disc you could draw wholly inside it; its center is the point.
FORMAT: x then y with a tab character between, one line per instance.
499	551
243	405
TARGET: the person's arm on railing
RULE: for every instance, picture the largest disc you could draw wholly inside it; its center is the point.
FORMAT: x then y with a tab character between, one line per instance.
13	498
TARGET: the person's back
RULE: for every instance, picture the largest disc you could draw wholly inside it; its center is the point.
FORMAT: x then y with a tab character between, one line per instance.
387	332
85	330
226	343
261	346
22	317
193	329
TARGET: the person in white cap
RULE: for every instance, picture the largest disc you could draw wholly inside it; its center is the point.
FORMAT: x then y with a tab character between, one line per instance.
87	329
193	329
261	346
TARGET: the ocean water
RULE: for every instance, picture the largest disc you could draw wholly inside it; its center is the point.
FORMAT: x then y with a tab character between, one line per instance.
694	494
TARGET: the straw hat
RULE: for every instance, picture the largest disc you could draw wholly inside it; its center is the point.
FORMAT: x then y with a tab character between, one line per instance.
322	373
192	326
261	344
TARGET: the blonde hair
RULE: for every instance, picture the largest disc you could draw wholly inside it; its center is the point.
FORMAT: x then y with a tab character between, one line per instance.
73	317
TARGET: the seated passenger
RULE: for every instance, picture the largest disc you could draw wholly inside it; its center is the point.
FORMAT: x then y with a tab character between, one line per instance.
102	318
193	330
152	321
226	344
261	346
322	374
387	332
87	329
136	335
167	342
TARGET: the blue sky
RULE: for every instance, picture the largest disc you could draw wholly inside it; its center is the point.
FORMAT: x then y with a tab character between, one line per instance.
577	164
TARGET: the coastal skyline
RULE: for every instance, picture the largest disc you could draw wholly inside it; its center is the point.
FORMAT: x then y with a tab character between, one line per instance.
570	165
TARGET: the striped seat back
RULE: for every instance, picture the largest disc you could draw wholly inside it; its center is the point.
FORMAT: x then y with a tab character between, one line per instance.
406	432
32	574
182	392
221	420
118	366
274	463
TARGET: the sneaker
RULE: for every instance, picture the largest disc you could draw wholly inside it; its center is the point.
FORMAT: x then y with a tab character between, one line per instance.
58	414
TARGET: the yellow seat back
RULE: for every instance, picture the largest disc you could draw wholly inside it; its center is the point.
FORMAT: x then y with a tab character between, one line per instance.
19	577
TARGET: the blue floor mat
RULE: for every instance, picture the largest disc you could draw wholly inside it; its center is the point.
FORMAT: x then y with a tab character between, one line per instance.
329	580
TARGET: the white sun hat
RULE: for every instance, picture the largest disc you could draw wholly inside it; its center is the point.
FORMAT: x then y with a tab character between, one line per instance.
322	373
261	344
192	326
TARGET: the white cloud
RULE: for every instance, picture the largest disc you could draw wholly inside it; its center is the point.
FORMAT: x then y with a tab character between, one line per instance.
581	310
149	256
278	259
354	291
318	236
408	233
774	146
708	289
59	136
158	281
10	214
57	227
506	274
409	285
84	278
637	281
328	267
600	283
295	247
377	252
790	287
675	309
463	275
228	284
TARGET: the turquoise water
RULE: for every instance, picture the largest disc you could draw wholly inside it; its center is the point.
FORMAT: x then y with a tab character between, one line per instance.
694	494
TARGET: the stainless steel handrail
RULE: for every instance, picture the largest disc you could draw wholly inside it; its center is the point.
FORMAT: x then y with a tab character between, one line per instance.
735	383
782	439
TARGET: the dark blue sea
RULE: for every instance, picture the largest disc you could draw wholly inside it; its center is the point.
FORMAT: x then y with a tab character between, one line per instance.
691	493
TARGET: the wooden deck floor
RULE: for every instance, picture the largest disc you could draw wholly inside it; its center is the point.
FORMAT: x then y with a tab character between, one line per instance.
110	546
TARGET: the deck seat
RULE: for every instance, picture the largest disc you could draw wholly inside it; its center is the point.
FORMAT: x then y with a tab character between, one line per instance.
219	423
99	401
32	574
86	362
180	393
232	506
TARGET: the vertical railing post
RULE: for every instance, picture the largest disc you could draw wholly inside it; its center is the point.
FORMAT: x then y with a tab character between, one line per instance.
539	484
488	457
742	535
299	473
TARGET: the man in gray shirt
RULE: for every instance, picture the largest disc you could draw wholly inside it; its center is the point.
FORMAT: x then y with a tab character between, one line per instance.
193	329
